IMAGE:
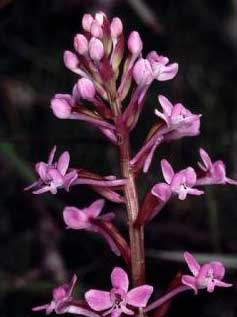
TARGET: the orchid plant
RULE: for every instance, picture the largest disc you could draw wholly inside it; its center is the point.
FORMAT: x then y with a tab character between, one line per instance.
114	78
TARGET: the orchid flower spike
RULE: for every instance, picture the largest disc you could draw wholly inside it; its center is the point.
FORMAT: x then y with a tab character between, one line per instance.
85	219
207	276
176	116
117	300
180	183
214	172
53	175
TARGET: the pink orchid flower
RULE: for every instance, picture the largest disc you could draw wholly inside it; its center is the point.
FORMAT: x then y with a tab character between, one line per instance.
214	172
162	71
180	183
84	219
62	302
53	175
117	300
207	276
175	116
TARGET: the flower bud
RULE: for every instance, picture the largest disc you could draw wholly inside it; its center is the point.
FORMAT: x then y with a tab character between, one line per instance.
142	72
96	30
81	44
96	49
87	21
116	27
135	44
70	60
100	17
86	88
61	106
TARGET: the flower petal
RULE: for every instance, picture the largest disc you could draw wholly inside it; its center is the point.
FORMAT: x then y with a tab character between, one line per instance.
166	105
51	155
95	208
98	300
63	162
139	296
218	270
190	281
119	279
192	263
168	72
75	218
167	171
205	158
162	191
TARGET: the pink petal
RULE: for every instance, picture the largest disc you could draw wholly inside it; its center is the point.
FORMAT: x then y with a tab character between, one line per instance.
162	191
56	177
71	285
192	263
205	158
69	179
195	192
63	163
51	155
75	218
42	190
166	105
139	296
42	307
119	279
95	208
218	270
222	284
167	171
162	116
126	311
230	181
150	155
81	311
190	176
98	300
168	72
190	281
42	168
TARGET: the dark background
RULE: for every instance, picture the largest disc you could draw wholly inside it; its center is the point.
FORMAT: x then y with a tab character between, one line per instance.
36	251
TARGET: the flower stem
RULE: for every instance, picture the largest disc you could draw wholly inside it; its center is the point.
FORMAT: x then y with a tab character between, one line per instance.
166	297
136	233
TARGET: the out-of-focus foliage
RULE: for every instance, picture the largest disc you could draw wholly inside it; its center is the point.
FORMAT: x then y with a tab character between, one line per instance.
36	250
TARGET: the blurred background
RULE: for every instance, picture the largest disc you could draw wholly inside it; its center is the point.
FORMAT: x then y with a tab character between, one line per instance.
36	251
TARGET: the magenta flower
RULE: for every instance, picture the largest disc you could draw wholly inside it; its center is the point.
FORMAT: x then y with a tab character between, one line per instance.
207	276
162	71
62	302
117	300
175	116
61	299
180	183
85	219
214	172
53	175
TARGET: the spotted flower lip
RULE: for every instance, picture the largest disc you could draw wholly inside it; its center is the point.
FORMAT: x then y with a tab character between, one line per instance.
115	302
206	276
180	183
53	175
214	172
